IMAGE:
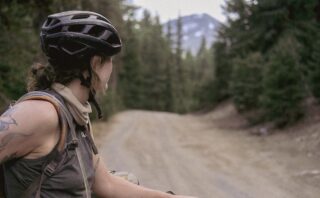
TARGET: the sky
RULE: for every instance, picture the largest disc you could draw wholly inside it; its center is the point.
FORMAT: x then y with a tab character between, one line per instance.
170	9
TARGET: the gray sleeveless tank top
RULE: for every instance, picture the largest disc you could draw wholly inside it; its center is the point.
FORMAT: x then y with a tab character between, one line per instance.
65	182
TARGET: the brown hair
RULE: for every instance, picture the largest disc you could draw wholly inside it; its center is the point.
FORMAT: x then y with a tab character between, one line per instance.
42	76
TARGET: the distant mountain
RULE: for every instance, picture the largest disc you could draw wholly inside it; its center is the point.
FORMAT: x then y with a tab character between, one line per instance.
195	27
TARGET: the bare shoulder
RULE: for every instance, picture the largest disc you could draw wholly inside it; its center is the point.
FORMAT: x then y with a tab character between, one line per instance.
28	129
32	114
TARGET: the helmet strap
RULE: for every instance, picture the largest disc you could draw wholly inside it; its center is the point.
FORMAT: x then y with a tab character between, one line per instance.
87	83
92	99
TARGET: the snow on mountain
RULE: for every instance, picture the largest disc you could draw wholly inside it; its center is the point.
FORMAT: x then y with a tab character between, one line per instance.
195	27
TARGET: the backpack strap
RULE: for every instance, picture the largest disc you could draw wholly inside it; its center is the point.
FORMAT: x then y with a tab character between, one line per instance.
66	122
40	95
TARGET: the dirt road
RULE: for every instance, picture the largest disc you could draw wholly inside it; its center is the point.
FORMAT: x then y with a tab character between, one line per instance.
190	155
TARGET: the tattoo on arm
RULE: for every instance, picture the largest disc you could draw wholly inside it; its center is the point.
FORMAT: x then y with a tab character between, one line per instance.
9	112
6	120
5	141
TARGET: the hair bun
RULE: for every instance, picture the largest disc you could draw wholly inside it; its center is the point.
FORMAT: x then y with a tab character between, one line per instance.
37	69
40	77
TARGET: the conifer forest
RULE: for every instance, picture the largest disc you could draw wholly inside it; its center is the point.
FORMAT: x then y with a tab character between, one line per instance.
266	58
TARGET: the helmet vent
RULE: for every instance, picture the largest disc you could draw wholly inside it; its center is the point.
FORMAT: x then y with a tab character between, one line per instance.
113	40
55	21
103	19
80	16
76	28
55	30
72	46
96	31
48	21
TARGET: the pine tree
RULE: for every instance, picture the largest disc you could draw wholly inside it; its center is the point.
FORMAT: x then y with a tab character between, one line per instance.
222	72
264	27
130	73
169	65
191	82
314	68
179	73
246	81
204	75
283	88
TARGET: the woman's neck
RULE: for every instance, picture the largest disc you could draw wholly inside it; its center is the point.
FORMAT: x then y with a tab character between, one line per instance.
79	91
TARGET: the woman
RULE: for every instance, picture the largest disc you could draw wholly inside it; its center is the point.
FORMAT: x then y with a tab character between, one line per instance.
79	46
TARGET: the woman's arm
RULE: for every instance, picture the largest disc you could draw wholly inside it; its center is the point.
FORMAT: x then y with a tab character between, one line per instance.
28	129
107	185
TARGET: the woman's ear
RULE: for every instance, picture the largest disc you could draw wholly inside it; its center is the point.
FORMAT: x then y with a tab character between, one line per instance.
95	62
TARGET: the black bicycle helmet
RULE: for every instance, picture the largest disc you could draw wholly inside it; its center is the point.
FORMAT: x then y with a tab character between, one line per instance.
77	34
68	38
